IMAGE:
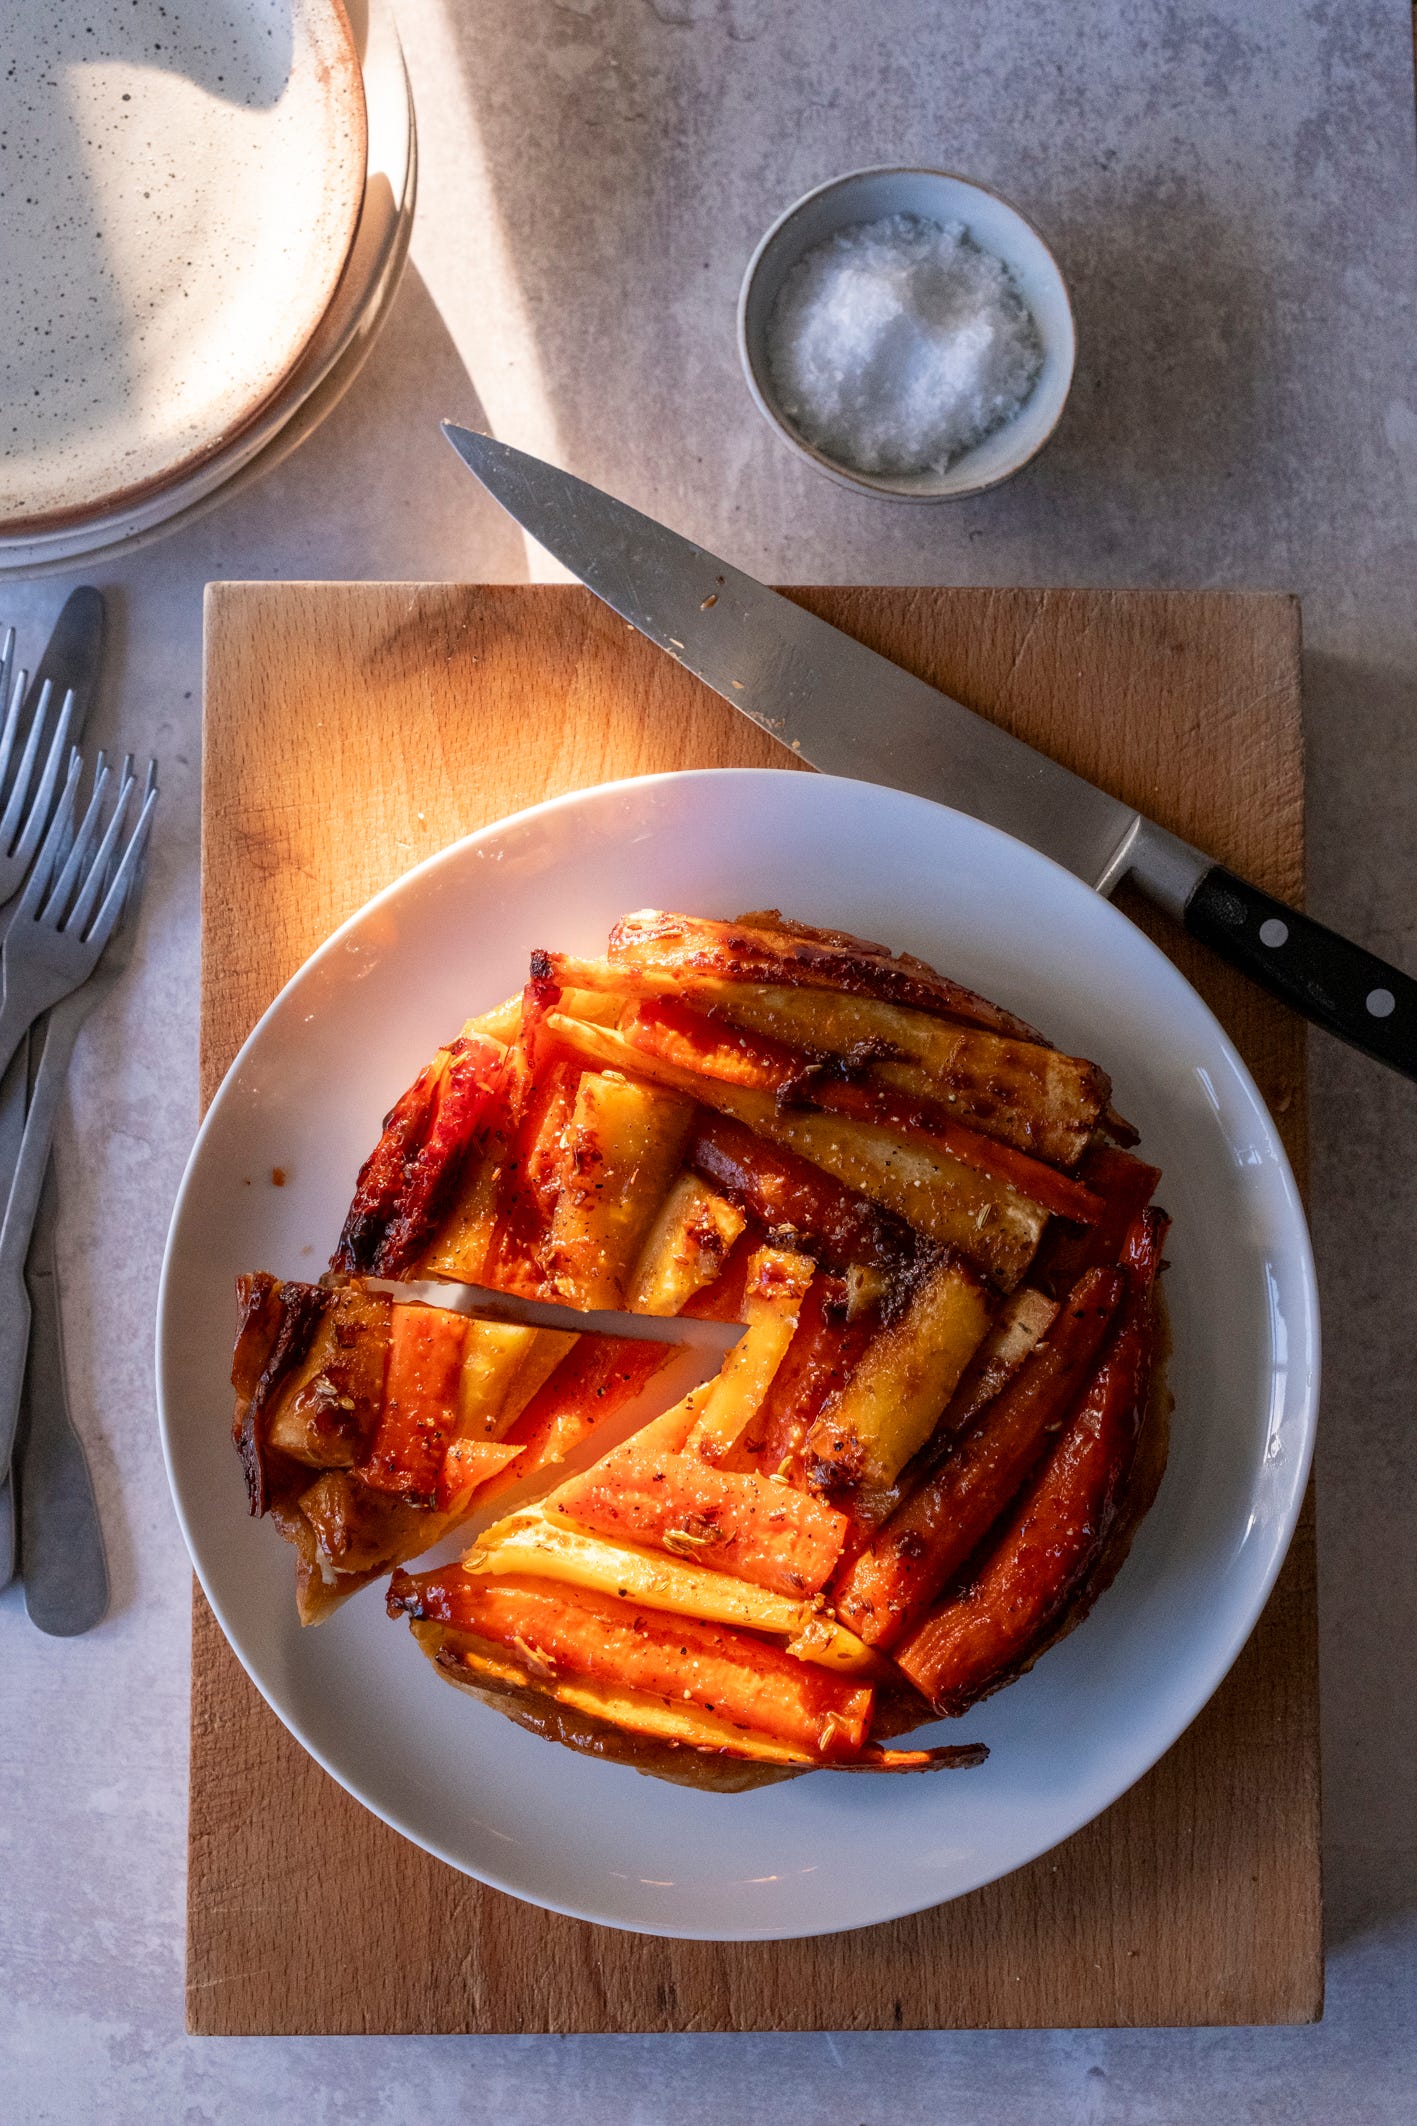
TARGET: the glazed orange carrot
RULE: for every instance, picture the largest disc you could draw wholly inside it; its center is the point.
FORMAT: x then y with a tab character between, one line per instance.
694	1040
409	1178
530	1178
735	1521
466	1099
929	1537
976	1640
467	1464
563	1632
819	1358
789	1195
381	1176
596	1378
420	1402
1125	1186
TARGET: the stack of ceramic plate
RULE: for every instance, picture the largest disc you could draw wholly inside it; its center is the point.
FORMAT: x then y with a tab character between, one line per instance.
201	233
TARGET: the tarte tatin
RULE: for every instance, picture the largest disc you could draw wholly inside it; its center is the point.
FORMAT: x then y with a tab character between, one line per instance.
919	1465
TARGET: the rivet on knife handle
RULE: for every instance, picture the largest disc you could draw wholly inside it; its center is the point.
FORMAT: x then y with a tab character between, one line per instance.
1350	992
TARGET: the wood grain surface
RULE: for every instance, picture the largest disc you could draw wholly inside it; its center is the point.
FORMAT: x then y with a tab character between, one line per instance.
353	729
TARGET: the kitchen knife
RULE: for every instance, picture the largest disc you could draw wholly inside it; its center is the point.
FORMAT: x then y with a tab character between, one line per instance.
845	709
716	1338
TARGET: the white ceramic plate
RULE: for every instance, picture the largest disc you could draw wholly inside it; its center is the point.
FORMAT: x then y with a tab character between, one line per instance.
828	1851
179	196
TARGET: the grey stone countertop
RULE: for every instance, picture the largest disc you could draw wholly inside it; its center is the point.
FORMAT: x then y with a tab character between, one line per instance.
1230	188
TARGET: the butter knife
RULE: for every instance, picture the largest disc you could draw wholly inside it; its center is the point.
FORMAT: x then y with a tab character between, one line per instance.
843	708
61	1540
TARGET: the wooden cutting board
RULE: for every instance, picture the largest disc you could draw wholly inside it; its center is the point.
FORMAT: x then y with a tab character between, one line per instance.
353	729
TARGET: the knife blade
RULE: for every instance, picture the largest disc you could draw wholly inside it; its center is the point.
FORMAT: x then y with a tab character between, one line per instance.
73	655
716	1338
843	708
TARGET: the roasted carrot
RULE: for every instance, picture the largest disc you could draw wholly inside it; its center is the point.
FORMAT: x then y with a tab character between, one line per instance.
686	1247
799	1078
409	1178
1017	1091
596	1379
382	1175
564	1632
819	1359
420	1402
737	1522
530	1181
796	1200
920	1182
890	1405
1022	1322
819	960
929	1537
1125	1186
977	1639
467	1464
464	1101
623	1147
777	1282
722	1298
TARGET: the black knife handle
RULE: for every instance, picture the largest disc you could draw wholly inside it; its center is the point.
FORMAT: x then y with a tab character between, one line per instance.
1349	992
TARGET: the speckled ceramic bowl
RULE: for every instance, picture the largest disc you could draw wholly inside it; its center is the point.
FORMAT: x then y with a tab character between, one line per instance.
180	189
938	196
327	365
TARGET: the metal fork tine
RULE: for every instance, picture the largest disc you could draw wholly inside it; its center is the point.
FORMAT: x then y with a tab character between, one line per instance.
126	782
127	870
9	707
132	892
76	857
37	817
13	820
42	868
14	700
92	889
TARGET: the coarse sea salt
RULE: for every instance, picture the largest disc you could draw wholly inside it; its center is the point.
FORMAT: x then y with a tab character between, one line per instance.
896	345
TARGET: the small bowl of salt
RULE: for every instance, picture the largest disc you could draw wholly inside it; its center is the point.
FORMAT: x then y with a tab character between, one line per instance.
908	332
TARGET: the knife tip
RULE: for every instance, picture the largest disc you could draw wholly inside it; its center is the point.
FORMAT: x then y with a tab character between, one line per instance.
462	439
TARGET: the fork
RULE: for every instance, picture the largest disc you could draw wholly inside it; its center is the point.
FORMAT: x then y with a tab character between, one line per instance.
119	879
71	900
